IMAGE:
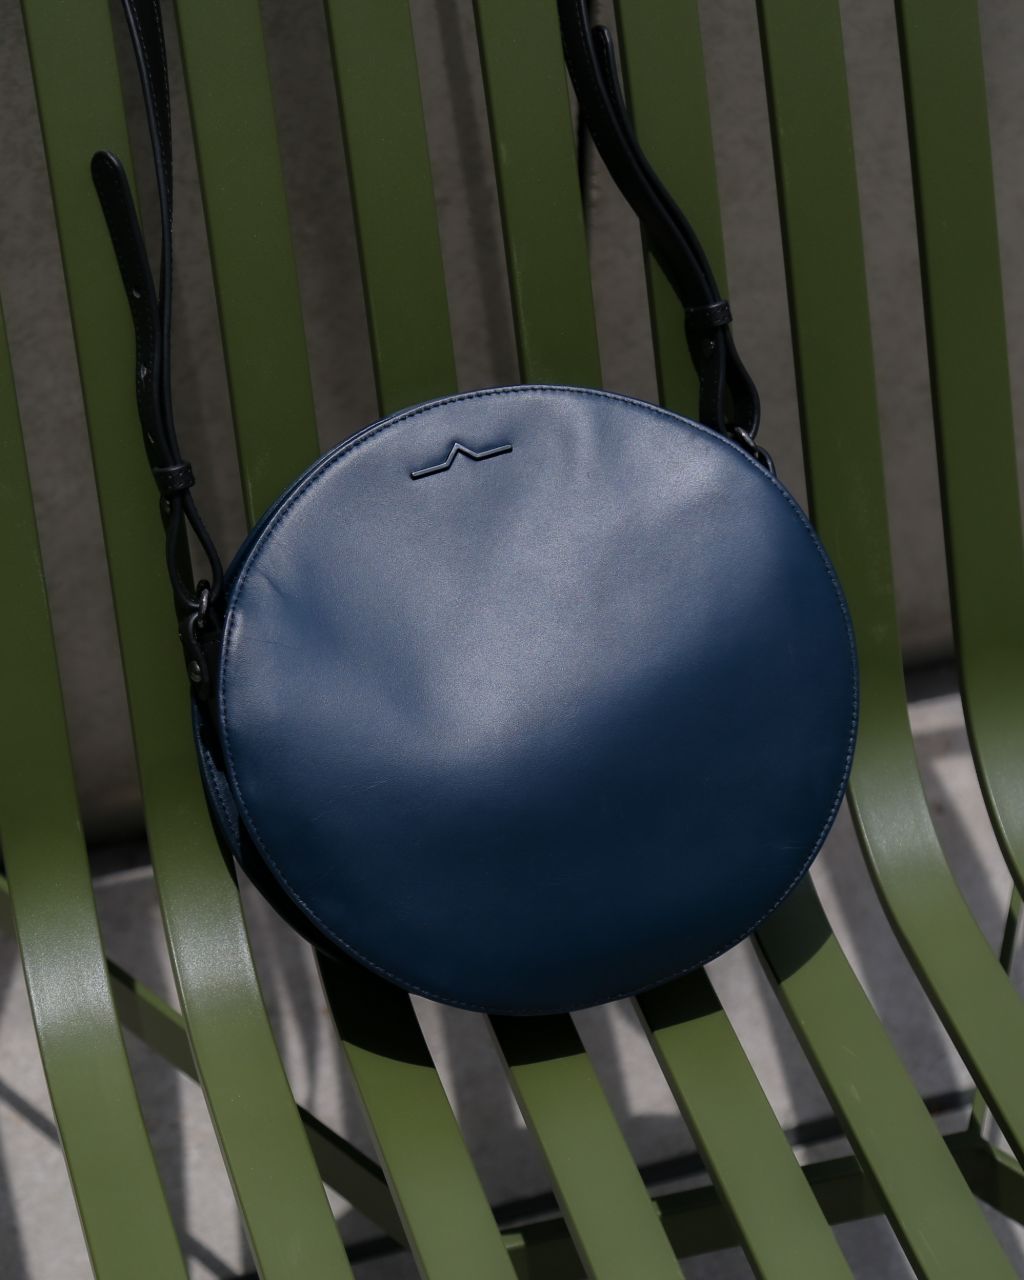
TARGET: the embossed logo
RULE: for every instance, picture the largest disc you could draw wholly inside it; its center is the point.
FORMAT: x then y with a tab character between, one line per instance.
456	449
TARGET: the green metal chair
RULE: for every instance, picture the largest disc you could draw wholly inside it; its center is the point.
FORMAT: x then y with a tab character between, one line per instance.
423	1190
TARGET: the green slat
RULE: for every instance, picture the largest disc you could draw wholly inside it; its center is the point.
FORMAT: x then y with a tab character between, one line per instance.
449	1224
389	175
121	1203
250	244
944	85
945	89
933	1212
607	1208
655	99
663	73
828	301
447	1219
288	1220
782	1227
342	1165
783	1230
534	156
546	259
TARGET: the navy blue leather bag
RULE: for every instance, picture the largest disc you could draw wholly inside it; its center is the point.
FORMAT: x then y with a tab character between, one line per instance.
527	698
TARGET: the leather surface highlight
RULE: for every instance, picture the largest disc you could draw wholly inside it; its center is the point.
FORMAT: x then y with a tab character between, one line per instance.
543	728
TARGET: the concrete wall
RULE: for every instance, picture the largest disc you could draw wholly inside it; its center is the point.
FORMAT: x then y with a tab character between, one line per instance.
314	163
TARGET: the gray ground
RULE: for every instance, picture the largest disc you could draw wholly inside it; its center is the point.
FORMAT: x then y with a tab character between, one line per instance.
40	1238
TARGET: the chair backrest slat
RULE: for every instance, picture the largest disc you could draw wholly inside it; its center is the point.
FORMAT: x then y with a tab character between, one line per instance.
606	1205
250	245
444	1214
741	1140
279	1192
930	1206
392	194
944	83
811	130
663	73
541	210
448	1222
605	1202
704	1063
446	1217
812	139
121	1202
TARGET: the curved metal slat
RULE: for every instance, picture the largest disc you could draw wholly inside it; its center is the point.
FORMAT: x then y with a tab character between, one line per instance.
944	83
931	1208
607	1208
446	1219
290	1227
828	298
448	1222
558	1090
377	81
664	78
235	133
121	1202
541	214
828	301
606	1205
783	1230
824	263
659	100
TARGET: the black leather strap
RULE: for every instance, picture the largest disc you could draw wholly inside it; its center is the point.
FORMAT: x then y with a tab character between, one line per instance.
150	304
728	398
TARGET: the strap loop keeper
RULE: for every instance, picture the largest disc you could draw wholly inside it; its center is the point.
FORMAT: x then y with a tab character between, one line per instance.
174	479
715	315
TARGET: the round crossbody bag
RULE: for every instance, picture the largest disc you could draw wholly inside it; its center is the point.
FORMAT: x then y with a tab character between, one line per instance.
477	702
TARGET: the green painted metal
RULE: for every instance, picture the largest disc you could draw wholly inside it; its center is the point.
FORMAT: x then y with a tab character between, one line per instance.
440	1207
811	131
342	1165
606	1205
254	273
450	1227
288	1220
121	1203
944	82
1007	953
753	1166
444	1215
448	1222
392	193
1002	1183
662	64
931	1208
534	158
660	102
696	1221
947	111
605	1202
